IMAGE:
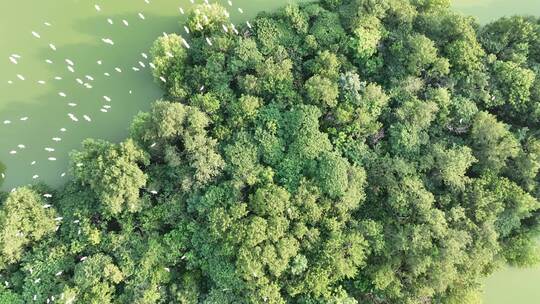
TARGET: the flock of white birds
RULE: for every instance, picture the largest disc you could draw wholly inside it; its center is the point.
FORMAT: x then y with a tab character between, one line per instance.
87	80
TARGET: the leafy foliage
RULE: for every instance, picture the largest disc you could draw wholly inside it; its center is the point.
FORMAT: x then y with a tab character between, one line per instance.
341	151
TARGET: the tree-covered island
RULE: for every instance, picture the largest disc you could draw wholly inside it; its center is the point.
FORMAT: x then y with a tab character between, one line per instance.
342	152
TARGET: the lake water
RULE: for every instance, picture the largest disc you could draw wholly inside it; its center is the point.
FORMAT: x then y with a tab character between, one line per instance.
76	30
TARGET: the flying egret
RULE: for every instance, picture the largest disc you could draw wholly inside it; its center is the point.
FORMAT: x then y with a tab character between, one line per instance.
49	149
125	22
52	46
141	16
70	62
56	139
107	41
25	118
98	8
37	35
21	77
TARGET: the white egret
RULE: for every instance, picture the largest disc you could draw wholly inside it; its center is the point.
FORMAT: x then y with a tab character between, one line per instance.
25	118
98	8
56	139
87	118
125	22
37	35
107	41
141	16
185	43
107	98
21	77
52	46
49	149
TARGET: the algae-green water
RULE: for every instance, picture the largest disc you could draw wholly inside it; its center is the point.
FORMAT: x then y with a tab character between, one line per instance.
33	114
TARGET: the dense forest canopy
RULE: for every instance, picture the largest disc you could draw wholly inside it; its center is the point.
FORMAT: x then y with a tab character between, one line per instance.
343	151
